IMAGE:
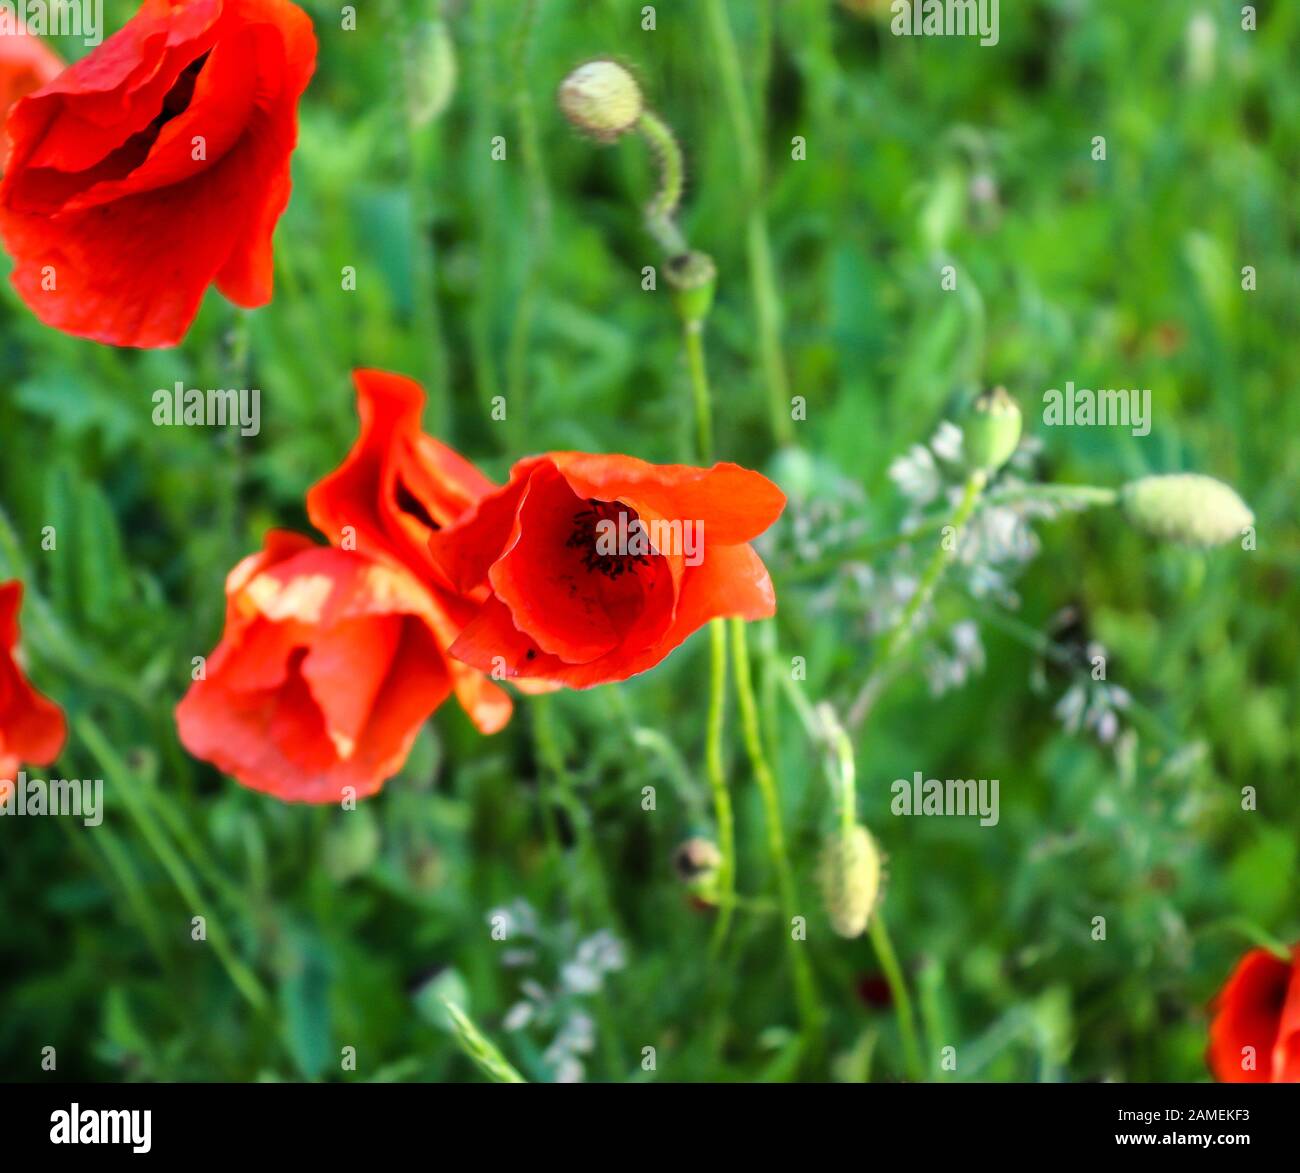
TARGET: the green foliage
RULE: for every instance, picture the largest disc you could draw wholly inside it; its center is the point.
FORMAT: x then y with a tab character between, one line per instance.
523	277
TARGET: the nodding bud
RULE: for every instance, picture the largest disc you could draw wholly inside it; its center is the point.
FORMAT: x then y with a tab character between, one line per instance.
1186	507
696	863
693	277
601	98
850	880
992	430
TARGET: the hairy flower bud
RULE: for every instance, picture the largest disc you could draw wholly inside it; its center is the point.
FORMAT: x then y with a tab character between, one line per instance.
1186	507
601	98
850	880
992	430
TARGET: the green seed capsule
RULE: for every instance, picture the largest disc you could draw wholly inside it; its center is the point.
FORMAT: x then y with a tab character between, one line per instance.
1186	507
992	430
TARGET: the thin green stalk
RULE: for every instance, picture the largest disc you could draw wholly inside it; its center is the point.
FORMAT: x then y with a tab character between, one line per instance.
243	978
762	274
810	1011
482	1052
716	769
904	628
595	894
693	336
539	221
902	1000
661	212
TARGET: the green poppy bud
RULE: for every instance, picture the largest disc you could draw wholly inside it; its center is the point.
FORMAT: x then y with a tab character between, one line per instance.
991	431
850	880
601	98
696	863
1186	507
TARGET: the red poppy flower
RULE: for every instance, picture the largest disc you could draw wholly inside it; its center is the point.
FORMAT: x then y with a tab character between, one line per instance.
600	565
394	490
328	666
32	729
1255	1035
155	166
26	64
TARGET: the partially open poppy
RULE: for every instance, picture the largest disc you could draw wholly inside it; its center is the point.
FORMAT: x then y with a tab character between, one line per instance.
396	488
600	565
26	64
1255	1035
32	728
328	666
155	166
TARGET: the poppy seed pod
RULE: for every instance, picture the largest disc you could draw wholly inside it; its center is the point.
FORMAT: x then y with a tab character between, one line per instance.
602	99
1186	507
992	430
693	277
850	880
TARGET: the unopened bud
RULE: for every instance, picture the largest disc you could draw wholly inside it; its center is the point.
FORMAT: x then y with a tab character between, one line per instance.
1186	507
601	98
696	863
991	431
850	880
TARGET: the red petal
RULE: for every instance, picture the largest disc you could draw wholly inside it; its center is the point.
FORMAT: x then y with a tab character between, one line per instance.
733	503
1247	1015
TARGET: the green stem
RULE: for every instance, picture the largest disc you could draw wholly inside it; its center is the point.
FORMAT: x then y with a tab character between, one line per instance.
762	274
905	629
898	992
693	336
810	1011
662	210
138	807
1066	496
716	769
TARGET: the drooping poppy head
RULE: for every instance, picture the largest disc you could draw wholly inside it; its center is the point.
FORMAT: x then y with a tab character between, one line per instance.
155	166
26	64
1255	1035
600	565
328	666
393	491
32	728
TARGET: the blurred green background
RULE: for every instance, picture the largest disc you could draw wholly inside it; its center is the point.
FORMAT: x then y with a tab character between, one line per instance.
522	277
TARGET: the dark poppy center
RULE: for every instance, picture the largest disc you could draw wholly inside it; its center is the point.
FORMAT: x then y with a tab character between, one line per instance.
610	538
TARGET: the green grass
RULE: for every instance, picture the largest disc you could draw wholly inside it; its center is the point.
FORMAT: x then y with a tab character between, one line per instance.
523	278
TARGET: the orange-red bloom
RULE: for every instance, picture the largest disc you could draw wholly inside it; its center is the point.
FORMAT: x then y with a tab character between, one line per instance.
396	488
328	666
32	729
26	64
1255	1035
155	166
600	565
